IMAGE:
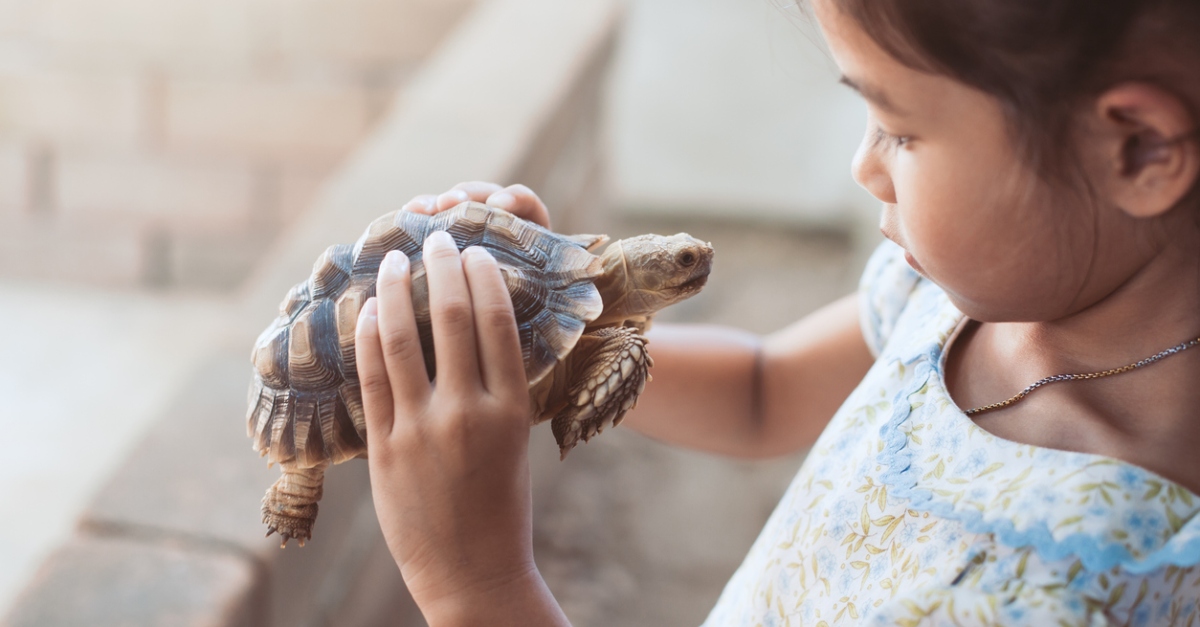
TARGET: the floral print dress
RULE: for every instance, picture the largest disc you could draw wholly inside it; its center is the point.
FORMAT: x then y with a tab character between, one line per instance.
907	513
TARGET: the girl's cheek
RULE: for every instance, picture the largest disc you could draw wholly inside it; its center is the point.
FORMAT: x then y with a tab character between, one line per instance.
924	218
952	229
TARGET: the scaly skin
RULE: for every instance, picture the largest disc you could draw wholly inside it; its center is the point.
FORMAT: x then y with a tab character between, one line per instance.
608	376
290	505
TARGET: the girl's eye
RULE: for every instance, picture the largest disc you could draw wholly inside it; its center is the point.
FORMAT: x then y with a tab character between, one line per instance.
888	139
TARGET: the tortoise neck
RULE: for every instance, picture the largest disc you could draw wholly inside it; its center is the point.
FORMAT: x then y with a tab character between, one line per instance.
614	285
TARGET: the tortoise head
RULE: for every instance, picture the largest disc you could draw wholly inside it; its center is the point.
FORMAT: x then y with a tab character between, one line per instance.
643	274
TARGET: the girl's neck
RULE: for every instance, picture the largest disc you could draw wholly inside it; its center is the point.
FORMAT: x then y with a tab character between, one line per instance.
1146	416
1158	307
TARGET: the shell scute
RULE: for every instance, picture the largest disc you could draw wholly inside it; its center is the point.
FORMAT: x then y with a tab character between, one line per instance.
265	423
306	437
341	438
582	298
270	354
314	357
467	227
347	308
262	402
281	445
331	271
527	292
517	243
296	299
351	396
386	233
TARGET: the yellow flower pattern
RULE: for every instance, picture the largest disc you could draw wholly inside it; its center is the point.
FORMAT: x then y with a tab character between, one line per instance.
907	513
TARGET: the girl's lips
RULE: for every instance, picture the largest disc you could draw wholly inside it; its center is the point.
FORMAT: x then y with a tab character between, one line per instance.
912	261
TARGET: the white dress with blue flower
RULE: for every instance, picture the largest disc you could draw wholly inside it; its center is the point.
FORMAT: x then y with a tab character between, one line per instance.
907	513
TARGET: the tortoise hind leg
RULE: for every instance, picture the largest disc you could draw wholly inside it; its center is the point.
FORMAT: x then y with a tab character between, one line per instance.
290	505
608	371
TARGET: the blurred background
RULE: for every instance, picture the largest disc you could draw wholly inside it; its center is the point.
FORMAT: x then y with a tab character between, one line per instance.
168	168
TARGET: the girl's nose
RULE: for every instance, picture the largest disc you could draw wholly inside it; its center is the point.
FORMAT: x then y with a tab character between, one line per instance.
870	169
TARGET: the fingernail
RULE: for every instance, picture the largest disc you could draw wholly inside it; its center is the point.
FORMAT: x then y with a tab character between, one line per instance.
395	262
418	205
370	309
477	252
454	197
502	200
440	238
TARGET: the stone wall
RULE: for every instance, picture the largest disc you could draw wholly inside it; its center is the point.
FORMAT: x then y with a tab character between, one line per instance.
733	107
163	144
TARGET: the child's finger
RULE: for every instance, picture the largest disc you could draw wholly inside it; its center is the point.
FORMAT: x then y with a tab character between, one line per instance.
424	203
372	373
520	201
449	199
477	191
399	338
451	315
500	359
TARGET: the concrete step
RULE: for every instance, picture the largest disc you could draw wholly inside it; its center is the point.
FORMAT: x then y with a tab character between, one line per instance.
86	372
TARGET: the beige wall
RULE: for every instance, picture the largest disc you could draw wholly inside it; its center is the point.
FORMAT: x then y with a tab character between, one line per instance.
164	143
731	109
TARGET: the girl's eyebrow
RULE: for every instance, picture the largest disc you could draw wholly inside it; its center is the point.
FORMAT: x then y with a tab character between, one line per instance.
871	93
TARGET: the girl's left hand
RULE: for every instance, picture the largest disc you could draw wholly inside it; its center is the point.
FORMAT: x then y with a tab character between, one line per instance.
448	460
516	199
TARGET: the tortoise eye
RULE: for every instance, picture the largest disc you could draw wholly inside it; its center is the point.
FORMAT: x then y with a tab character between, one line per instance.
687	258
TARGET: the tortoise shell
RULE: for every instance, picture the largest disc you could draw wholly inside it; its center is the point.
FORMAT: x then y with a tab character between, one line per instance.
305	403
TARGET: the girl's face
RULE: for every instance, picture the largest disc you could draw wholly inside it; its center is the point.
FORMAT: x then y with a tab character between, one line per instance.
957	197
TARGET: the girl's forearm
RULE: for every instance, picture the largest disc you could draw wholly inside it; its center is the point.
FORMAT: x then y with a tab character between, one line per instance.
522	602
732	392
811	367
702	391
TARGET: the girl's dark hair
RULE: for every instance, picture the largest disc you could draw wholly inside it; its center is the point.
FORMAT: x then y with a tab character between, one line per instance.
1043	59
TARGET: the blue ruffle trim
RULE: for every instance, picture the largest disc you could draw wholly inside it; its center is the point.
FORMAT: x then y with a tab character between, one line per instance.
1095	553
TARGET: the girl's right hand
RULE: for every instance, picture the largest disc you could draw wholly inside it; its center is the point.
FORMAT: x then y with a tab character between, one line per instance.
518	200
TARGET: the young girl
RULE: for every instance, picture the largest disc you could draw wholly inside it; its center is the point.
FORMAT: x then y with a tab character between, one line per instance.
1037	164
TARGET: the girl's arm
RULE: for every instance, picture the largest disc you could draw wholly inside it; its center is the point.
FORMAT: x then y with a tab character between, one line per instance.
735	393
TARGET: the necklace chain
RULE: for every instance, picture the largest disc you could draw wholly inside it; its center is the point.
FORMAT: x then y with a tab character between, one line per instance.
1090	375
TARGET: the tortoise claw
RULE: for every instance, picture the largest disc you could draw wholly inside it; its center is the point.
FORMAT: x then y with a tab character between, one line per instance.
289	529
613	376
290	506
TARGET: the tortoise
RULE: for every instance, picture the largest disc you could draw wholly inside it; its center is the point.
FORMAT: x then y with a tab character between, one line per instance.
581	319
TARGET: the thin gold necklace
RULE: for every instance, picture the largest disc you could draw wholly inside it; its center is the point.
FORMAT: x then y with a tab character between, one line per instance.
1090	375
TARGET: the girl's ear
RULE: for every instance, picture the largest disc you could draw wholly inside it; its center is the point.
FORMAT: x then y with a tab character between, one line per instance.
1152	144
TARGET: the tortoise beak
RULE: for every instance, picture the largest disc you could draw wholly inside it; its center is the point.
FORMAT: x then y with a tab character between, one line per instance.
704	263
698	277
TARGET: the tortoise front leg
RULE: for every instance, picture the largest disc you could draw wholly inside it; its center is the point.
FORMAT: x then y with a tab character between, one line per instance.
290	505
608	371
